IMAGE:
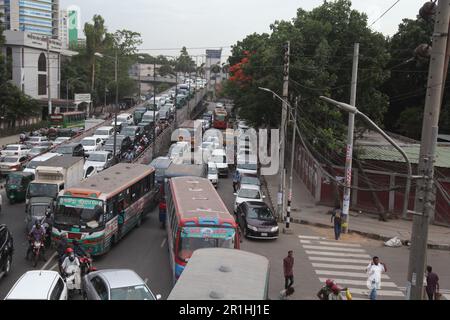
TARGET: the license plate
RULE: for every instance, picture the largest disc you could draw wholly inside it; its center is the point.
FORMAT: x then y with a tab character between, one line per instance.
263	234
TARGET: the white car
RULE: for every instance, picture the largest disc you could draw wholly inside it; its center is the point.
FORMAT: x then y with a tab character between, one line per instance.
125	117
36	141
98	159
248	192
16	150
219	157
249	165
104	133
60	140
35	162
213	174
180	152
39	285
91	144
12	164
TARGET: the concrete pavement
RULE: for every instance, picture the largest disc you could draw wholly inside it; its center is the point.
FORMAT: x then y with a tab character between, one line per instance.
304	210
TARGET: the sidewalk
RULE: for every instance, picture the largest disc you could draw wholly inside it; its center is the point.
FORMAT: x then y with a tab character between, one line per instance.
305	211
9	140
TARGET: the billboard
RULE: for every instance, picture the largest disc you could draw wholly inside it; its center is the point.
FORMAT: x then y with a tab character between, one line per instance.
72	26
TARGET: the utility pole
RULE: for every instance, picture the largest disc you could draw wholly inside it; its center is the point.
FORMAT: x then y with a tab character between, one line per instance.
284	113
139	71
154	106
117	106
349	151
425	199
49	90
291	173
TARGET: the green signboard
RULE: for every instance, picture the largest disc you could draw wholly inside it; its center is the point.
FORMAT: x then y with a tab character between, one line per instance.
72	27
80	203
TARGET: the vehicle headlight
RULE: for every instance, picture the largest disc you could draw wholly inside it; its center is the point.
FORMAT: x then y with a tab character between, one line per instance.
252	227
274	229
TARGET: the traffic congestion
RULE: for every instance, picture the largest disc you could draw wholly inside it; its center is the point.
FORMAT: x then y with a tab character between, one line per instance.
83	188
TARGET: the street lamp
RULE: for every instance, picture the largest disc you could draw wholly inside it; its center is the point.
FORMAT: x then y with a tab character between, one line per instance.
351	109
100	55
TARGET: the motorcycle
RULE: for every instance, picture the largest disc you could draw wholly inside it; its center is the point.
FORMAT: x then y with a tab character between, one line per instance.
37	246
72	276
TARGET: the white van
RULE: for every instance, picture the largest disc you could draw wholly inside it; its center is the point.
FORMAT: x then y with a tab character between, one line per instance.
148	116
31	166
39	285
125	118
104	133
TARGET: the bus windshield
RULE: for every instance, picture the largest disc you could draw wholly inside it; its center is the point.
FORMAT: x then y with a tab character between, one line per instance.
80	211
193	238
220	117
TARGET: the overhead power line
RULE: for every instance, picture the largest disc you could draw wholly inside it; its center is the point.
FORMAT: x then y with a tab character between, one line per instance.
384	13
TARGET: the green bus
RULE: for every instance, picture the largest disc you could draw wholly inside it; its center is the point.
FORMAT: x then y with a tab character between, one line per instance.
68	119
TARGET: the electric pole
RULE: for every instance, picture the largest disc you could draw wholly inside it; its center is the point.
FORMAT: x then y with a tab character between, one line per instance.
117	104
349	150
284	113
425	199
291	173
49	85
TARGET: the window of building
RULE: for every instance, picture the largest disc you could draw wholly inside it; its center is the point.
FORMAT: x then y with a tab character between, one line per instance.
9	63
42	63
42	84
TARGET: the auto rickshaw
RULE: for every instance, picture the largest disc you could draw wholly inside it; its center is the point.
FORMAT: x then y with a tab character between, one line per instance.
17	185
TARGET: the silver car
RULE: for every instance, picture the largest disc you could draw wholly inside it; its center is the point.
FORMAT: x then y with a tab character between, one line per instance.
116	284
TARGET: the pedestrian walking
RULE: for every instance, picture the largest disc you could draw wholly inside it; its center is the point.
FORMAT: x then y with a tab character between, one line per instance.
336	215
236	178
286	293
288	268
335	293
432	287
374	271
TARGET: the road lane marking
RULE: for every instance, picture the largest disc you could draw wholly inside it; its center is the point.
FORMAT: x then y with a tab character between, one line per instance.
348	274
312	238
358	282
163	243
333	249
340	244
345	260
337	254
49	260
339	266
379	292
305	241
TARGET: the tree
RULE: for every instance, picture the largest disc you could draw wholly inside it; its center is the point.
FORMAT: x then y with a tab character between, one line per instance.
184	62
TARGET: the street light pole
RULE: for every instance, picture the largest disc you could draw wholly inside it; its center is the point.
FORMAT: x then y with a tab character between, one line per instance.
349	149
154	107
291	173
117	105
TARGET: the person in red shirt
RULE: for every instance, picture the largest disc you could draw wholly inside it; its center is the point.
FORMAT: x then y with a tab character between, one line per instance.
288	268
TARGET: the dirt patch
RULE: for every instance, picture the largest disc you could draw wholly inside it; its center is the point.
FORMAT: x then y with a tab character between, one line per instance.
349	237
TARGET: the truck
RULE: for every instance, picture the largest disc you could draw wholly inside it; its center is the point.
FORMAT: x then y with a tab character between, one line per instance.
91	123
54	175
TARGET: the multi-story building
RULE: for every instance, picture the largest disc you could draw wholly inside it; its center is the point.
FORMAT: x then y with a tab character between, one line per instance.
63	28
68	28
34	16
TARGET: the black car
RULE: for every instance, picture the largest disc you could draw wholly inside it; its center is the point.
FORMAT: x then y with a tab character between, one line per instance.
134	132
6	250
256	220
123	143
72	149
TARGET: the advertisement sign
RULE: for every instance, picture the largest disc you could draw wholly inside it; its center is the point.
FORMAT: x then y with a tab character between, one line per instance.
82	97
80	203
215	233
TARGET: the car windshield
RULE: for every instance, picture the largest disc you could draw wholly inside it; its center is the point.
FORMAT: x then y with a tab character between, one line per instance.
14	179
64	150
42	190
97	157
249	194
102	133
12	148
250	180
35	139
79	211
10	159
88	142
212	170
219	159
261	213
33	164
247	166
139	292
129	131
38	210
37	149
193	238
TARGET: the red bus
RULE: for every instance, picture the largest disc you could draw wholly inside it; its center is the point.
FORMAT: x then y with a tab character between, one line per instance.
196	218
220	119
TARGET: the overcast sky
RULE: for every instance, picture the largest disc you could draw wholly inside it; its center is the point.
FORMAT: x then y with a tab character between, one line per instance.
167	24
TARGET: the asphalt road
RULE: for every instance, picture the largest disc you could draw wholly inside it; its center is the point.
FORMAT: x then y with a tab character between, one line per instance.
145	251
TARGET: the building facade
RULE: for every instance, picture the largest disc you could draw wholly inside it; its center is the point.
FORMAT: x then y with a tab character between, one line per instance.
68	28
34	16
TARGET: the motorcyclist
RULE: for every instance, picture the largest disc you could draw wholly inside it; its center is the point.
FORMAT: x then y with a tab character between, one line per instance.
78	250
47	223
71	266
37	233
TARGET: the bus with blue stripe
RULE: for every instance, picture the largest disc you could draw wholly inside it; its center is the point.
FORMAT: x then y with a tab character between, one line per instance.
196	218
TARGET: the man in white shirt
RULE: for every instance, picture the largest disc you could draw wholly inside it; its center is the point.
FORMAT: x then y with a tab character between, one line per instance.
374	271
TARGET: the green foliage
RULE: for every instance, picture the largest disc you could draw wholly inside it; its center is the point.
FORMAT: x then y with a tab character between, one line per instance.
184	62
320	64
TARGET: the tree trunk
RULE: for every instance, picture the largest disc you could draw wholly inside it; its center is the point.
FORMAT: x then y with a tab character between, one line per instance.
93	76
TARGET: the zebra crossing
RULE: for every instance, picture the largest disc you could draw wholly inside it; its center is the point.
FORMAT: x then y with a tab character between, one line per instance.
346	264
